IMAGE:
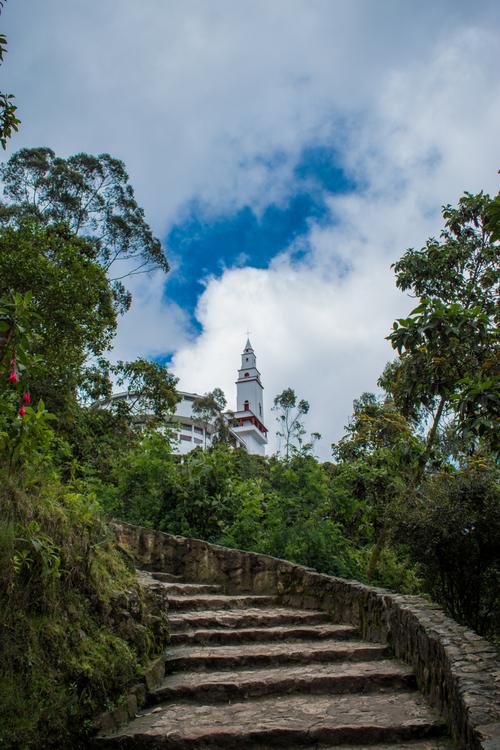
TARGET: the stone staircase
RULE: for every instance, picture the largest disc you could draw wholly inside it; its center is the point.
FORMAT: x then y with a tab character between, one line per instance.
243	672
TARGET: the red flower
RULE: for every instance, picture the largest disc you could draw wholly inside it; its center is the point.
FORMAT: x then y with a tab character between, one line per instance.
22	411
26	397
13	377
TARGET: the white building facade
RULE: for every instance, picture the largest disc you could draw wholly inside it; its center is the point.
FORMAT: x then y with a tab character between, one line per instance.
248	420
246	425
188	430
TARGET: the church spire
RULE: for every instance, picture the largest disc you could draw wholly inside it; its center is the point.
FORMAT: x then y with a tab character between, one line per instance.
249	417
248	359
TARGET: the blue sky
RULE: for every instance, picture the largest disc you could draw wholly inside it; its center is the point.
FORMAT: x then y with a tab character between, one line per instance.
202	246
286	153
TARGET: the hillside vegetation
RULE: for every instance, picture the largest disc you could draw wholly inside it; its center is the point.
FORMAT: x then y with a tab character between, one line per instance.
409	499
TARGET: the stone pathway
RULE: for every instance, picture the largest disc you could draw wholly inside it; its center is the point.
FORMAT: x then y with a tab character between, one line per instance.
246	674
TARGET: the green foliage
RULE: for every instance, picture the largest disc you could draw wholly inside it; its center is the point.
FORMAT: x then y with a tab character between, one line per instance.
91	195
395	569
228	497
302	522
72	299
453	529
448	367
289	412
98	438
150	389
146	479
74	629
26	438
209	411
449	354
493	218
377	457
9	122
66	647
461	267
448	345
245	529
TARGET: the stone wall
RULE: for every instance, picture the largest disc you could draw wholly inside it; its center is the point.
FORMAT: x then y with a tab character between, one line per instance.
457	669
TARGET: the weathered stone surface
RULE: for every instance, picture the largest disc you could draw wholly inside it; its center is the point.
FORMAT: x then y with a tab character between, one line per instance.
304	669
217	601
282	721
272	654
160	575
177	588
457	670
431	744
216	687
289	633
154	672
247	618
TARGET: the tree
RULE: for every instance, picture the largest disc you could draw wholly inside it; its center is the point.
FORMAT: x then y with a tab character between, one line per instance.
209	410
462	265
92	196
452	529
493	217
289	412
71	296
377	458
104	430
448	345
150	388
9	122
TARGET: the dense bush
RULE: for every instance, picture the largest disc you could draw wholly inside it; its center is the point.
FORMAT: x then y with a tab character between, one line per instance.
453	528
74	630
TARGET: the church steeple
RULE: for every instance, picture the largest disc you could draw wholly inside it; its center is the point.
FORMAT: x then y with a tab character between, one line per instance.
249	417
248	358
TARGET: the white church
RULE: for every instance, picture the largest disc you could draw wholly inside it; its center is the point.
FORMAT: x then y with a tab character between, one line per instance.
246	424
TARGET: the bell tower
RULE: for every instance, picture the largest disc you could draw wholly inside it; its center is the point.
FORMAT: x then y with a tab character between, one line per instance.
248	420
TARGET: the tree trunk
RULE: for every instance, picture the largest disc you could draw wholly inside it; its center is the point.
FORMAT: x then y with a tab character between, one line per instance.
375	556
5	337
430	440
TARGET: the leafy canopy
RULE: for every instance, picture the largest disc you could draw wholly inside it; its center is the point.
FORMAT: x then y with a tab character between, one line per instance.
9	122
71	296
289	411
209	410
92	196
448	345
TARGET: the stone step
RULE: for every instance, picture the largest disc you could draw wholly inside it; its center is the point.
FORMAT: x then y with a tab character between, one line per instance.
281	722
214	601
431	744
271	654
247	618
190	589
169	577
343	677
288	633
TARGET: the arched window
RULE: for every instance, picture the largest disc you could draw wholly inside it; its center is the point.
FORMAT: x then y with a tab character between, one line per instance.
246	406
247	374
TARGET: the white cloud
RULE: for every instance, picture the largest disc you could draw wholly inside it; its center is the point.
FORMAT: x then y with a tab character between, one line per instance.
323	333
190	93
153	325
